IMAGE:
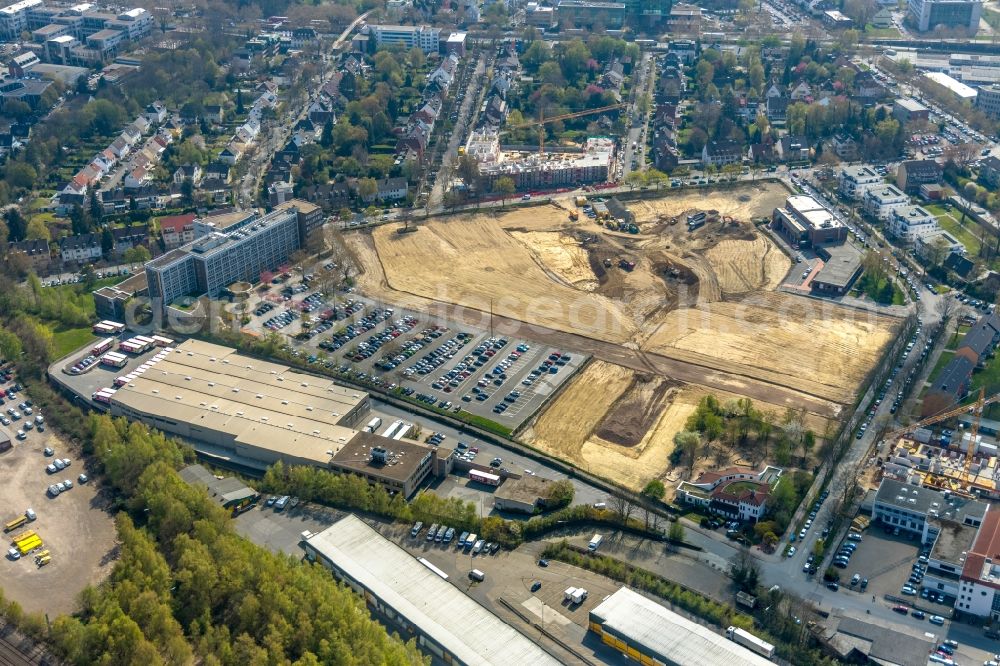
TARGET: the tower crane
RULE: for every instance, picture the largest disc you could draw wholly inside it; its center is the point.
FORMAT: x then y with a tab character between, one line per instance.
542	121
976	409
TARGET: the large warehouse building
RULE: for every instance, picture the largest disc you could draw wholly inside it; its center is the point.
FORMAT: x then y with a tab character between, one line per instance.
255	413
651	634
446	622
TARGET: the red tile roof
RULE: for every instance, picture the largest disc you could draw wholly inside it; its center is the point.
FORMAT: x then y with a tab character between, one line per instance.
176	223
987	545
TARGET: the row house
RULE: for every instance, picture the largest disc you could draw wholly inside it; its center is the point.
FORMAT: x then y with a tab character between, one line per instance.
36	251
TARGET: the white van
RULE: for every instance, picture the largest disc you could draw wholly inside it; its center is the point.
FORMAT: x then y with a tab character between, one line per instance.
476	574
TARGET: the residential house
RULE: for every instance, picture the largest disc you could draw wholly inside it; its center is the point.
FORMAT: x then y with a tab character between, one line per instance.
959	264
81	248
777	109
989	171
213	113
231	154
793	149
177	230
802	92
950	387
218	171
37	252
156	113
119	148
979	341
762	153
844	146
126	238
137	178
911	174
190	172
391	189
719	153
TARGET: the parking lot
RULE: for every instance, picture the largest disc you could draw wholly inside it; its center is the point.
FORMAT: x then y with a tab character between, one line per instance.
74	527
436	362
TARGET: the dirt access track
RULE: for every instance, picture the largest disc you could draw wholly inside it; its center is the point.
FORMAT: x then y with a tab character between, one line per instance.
698	307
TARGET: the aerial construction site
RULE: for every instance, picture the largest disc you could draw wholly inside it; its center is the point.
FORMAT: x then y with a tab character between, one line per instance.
668	312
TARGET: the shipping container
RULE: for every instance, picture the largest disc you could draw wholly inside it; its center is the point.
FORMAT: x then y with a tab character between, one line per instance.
391	430
14	524
403	431
115	326
114	361
161	341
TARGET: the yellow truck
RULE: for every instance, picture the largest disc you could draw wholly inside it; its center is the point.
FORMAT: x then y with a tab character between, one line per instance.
42	561
14	524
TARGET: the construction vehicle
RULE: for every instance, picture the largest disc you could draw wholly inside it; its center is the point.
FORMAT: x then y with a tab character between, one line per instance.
42	561
626	265
580	201
14	524
574	216
633	228
44	553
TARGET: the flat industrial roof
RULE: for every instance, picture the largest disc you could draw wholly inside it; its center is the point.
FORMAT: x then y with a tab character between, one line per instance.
841	267
261	404
672	636
452	619
910	105
952	84
403	456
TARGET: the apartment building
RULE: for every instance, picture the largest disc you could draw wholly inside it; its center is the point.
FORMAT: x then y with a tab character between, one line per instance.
908	223
854	181
425	37
879	202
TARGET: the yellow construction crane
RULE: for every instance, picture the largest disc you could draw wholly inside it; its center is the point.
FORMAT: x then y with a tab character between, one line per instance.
542	121
976	409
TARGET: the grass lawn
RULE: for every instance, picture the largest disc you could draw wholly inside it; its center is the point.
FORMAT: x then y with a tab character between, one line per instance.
946	357
881	33
961	233
959	333
68	340
988	377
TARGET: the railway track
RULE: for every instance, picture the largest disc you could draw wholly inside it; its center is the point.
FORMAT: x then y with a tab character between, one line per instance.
12	654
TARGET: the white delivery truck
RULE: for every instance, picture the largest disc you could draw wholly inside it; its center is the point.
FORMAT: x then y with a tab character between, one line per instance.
595	542
751	642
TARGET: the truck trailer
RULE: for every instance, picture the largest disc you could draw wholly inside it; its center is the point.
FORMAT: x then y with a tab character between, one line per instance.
751	642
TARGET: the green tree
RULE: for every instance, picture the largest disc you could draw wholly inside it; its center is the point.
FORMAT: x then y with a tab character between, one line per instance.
655	489
688	442
17	226
367	189
17	109
136	255
37	230
107	240
504	187
676	532
20	174
560	493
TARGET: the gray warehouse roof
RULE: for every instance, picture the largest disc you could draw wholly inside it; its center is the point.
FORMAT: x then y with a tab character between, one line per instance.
439	609
664	632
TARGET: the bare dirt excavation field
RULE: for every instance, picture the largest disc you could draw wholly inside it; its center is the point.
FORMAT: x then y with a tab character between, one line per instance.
697	314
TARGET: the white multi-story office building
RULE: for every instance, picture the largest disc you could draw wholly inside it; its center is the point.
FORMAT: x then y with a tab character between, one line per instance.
929	14
426	37
14	18
909	223
211	263
855	180
879	202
